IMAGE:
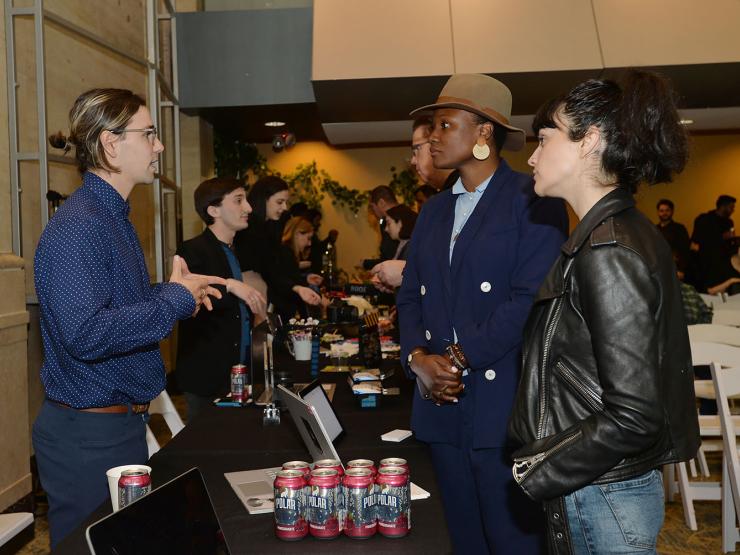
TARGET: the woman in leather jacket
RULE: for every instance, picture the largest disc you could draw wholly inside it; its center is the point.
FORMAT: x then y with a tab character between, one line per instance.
606	394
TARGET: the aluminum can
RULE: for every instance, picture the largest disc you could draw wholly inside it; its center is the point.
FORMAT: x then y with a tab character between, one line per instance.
323	504
363	463
336	465
290	505
330	463
133	484
359	490
393	502
303	466
239	386
395	461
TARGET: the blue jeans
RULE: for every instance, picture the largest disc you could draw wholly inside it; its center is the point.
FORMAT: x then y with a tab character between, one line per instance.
73	451
621	517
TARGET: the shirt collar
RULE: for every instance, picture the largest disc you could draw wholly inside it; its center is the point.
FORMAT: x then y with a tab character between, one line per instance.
458	188
108	196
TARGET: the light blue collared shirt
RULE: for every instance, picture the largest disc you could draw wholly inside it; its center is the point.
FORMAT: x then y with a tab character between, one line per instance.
464	206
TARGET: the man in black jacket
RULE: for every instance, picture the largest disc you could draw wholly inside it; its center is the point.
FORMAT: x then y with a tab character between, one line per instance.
210	343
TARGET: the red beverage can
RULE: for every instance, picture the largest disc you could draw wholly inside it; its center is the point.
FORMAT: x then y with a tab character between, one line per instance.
393	499
359	490
323	504
290	505
303	466
132	485
239	386
395	461
330	463
363	463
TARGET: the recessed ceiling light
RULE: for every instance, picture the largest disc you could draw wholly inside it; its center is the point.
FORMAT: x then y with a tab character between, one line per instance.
686	122
274	123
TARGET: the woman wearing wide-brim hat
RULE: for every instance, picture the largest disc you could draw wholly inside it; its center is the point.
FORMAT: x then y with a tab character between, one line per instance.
477	256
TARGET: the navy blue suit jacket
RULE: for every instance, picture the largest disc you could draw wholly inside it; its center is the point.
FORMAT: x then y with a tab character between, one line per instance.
500	259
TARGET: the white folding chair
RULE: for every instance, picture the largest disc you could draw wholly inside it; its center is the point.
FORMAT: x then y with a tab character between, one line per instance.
726	316
714	333
702	353
727	384
162	404
712	300
12	524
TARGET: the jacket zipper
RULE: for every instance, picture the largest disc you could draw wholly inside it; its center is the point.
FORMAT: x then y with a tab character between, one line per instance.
587	393
549	331
524	465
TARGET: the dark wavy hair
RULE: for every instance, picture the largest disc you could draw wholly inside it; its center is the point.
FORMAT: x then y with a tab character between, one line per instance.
638	121
262	190
407	217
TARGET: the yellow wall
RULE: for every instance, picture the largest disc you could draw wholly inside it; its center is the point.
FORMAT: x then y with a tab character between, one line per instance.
358	168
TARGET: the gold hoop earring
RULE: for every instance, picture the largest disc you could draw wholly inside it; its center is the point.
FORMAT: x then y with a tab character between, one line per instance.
481	151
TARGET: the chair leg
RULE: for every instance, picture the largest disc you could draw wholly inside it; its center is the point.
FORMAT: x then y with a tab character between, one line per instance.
687	498
730	534
669	482
702	458
692	468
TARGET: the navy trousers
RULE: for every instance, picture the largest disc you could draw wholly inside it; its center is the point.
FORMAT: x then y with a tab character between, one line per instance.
486	511
73	451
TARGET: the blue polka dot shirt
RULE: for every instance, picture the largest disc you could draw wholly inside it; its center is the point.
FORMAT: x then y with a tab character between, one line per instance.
101	319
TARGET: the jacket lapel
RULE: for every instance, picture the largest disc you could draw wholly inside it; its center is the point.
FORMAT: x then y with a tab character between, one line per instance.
470	230
444	233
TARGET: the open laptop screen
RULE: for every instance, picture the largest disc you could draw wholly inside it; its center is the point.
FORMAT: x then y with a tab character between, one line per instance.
177	517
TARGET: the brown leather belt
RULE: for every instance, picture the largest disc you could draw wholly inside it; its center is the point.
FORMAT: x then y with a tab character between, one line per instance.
116	409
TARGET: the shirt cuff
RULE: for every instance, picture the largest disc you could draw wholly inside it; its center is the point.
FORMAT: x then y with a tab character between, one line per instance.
180	298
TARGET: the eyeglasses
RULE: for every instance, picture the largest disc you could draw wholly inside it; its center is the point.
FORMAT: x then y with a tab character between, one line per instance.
150	133
416	147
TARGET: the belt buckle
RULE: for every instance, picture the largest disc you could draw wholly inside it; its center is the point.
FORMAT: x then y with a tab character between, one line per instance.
139	409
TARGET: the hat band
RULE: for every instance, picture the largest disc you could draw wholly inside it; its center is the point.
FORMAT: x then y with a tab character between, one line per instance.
490	111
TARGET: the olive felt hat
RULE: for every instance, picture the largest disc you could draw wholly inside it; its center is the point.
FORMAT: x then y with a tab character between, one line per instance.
482	95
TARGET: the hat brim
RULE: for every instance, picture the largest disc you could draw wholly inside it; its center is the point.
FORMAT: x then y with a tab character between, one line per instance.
515	137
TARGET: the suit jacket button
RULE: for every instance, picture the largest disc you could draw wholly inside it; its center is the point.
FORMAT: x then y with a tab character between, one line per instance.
428	335
490	375
485	287
423	290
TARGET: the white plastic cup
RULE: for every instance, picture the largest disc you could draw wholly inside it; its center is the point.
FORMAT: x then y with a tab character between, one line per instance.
302	349
114	474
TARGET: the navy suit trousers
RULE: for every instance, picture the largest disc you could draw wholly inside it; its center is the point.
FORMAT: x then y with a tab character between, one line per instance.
486	511
73	451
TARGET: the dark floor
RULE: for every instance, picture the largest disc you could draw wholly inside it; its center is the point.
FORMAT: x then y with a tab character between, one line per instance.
675	538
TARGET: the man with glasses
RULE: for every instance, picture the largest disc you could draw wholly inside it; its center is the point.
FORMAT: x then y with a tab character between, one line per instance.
421	156
101	319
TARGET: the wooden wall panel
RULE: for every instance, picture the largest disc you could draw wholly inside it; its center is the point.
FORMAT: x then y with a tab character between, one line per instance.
501	36
382	38
668	32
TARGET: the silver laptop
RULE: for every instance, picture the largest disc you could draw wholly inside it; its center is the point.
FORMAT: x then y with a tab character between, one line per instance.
254	487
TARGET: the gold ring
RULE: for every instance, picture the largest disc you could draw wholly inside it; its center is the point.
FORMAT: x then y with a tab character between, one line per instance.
443	389
202	293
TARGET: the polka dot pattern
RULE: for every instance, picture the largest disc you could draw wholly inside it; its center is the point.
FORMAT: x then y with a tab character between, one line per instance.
101	319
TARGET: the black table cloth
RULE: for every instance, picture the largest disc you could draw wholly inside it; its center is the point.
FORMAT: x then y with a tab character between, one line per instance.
227	439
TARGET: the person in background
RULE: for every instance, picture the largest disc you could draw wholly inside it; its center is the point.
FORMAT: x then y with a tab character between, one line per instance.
212	342
257	245
101	319
381	199
291	289
675	234
477	256
423	194
318	246
421	157
606	396
400	221
713	236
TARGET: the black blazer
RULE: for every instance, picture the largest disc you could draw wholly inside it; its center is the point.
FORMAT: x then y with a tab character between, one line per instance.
284	275
208	345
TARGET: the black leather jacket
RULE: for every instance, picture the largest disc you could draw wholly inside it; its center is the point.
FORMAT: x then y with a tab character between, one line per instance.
606	391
